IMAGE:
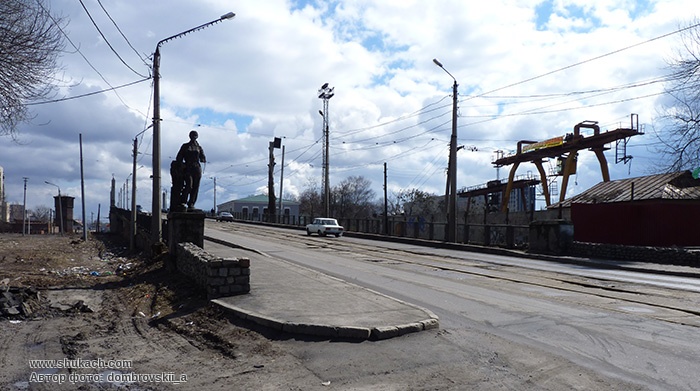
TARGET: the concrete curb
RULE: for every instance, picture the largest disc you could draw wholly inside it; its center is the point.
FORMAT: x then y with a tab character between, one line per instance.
329	331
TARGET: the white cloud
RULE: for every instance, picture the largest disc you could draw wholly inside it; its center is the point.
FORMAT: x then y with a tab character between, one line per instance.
244	81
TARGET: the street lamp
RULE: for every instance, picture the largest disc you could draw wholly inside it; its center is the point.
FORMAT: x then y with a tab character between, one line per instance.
325	93
60	206
451	194
156	221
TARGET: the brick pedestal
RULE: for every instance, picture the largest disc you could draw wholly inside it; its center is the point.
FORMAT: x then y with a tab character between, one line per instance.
185	227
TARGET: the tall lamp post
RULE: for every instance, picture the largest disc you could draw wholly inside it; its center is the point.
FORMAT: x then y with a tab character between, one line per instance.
59	214
451	195
156	212
325	93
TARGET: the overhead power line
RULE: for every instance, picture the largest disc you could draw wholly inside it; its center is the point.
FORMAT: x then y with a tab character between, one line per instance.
107	41
86	94
588	60
124	36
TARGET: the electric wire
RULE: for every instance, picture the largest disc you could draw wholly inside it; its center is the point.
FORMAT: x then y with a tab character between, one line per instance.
123	36
58	26
86	94
107	41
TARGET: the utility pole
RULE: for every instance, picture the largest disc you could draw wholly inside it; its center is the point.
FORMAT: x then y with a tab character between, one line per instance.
271	202
24	208
156	228
281	185
215	211
451	191
386	204
325	93
82	188
132	223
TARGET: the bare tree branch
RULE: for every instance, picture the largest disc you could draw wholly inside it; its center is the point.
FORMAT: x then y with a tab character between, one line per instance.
30	41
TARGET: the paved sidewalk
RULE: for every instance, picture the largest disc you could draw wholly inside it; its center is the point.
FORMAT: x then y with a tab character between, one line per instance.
295	299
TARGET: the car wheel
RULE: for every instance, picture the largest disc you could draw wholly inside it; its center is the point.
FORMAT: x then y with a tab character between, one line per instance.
337	235
308	232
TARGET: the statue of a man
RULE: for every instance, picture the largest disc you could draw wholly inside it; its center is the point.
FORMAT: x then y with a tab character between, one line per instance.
192	155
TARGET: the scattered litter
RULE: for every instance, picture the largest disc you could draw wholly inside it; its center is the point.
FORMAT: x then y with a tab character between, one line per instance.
15	321
94	273
157	314
123	268
258	366
326	383
142	314
190	323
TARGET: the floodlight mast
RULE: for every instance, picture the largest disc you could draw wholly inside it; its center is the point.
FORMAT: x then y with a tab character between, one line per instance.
325	93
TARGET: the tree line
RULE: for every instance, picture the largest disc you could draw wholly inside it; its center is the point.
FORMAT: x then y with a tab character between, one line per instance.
353	198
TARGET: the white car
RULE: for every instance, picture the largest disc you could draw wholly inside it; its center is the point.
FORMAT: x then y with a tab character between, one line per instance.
224	216
324	226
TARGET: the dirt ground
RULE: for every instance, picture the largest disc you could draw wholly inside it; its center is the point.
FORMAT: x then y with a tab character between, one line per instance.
116	321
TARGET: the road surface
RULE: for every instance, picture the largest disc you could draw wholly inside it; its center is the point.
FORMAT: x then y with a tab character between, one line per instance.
506	322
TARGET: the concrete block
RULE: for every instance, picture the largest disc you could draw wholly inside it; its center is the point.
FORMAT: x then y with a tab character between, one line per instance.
430	324
354	332
384	332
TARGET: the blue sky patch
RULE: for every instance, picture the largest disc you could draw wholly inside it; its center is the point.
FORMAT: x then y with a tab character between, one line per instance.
542	13
209	117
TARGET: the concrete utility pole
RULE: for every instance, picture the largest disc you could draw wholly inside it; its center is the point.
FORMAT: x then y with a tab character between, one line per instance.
271	202
451	194
325	93
156	204
386	204
215	209
24	207
82	188
281	185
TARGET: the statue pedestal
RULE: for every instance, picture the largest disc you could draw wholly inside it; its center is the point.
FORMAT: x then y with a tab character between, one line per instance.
185	227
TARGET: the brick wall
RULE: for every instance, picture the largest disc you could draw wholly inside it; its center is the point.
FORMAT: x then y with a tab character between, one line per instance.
217	276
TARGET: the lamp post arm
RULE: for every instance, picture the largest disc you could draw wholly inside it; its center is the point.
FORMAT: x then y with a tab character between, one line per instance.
229	15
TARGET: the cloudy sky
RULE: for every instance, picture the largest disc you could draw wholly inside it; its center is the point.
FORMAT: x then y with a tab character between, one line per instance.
526	69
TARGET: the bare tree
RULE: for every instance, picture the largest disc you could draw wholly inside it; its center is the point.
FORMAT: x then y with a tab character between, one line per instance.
416	202
679	133
42	213
30	41
354	198
310	200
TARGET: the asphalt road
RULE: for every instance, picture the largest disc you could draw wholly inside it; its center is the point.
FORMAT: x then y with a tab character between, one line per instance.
535	321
